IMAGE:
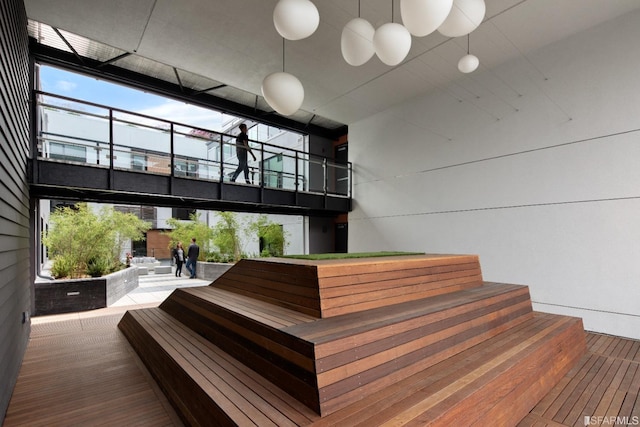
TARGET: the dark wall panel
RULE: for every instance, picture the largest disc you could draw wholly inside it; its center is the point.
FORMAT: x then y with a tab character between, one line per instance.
15	276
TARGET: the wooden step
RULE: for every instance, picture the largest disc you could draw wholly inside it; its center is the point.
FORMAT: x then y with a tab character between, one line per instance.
496	382
332	362
493	383
412	340
325	288
204	384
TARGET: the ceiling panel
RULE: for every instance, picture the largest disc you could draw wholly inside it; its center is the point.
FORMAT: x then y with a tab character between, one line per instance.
234	42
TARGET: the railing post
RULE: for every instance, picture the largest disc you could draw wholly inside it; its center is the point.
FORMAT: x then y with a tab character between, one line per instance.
297	173
326	175
172	160
111	156
221	157
350	169
261	165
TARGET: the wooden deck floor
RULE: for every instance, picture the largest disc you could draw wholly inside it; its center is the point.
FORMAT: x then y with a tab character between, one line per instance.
80	370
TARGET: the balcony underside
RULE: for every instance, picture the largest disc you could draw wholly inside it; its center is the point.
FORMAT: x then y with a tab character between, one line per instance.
56	180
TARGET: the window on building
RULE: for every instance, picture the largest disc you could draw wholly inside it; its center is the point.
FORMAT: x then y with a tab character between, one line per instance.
182	213
273	169
186	168
139	162
67	152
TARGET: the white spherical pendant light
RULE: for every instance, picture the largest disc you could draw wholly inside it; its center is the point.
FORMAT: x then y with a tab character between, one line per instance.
283	92
465	16
422	17
357	41
468	63
392	43
295	19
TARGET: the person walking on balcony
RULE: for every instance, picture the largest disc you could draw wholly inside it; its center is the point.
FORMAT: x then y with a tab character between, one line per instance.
178	255
192	257
242	151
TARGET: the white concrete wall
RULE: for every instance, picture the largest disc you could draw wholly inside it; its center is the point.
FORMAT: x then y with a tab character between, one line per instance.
540	175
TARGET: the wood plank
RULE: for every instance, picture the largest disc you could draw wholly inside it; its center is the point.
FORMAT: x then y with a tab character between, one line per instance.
46	353
381	359
396	395
332	329
376	265
251	307
433	407
260	281
186	387
570	415
530	377
238	378
236	331
415	333
425	272
548	405
604	403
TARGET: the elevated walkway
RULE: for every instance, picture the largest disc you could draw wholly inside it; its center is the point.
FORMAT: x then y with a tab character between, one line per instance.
405	341
96	153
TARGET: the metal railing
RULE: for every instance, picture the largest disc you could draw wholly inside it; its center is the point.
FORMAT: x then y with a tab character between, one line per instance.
80	132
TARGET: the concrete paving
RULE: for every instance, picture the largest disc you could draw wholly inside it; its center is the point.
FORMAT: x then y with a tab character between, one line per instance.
155	288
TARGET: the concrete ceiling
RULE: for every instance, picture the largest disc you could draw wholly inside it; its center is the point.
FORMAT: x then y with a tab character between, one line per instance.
234	42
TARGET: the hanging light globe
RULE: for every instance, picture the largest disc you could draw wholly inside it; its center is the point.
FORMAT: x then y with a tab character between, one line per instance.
295	19
392	43
422	17
283	92
465	16
468	63
357	41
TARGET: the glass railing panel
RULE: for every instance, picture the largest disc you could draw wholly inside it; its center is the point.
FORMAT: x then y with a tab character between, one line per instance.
82	133
197	153
74	135
141	144
338	178
316	175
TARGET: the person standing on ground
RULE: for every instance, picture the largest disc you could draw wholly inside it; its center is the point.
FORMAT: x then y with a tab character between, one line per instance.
178	255
242	150
192	257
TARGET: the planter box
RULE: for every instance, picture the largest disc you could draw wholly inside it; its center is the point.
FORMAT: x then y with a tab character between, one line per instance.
210	270
68	296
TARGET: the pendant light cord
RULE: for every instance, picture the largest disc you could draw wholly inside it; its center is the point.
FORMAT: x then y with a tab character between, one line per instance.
283	54
468	36
392	3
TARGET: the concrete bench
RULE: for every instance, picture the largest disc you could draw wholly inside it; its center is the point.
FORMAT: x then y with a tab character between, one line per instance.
143	271
162	269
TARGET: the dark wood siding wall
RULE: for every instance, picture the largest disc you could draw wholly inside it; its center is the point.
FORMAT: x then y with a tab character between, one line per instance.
15	277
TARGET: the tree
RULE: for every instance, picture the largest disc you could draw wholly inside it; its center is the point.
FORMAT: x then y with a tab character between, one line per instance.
184	231
226	236
82	242
272	236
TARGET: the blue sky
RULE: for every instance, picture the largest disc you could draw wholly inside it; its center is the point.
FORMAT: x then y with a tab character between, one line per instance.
90	89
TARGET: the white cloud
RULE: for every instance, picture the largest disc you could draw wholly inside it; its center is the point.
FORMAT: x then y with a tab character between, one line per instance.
65	86
180	112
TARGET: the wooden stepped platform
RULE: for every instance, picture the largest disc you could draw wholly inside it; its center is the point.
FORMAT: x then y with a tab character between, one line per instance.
330	288
296	368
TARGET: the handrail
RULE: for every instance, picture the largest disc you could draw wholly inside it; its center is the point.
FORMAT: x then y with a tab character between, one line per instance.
285	172
168	122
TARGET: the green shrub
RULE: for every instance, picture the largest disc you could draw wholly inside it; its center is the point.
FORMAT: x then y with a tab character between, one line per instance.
218	257
78	235
97	267
183	231
62	267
